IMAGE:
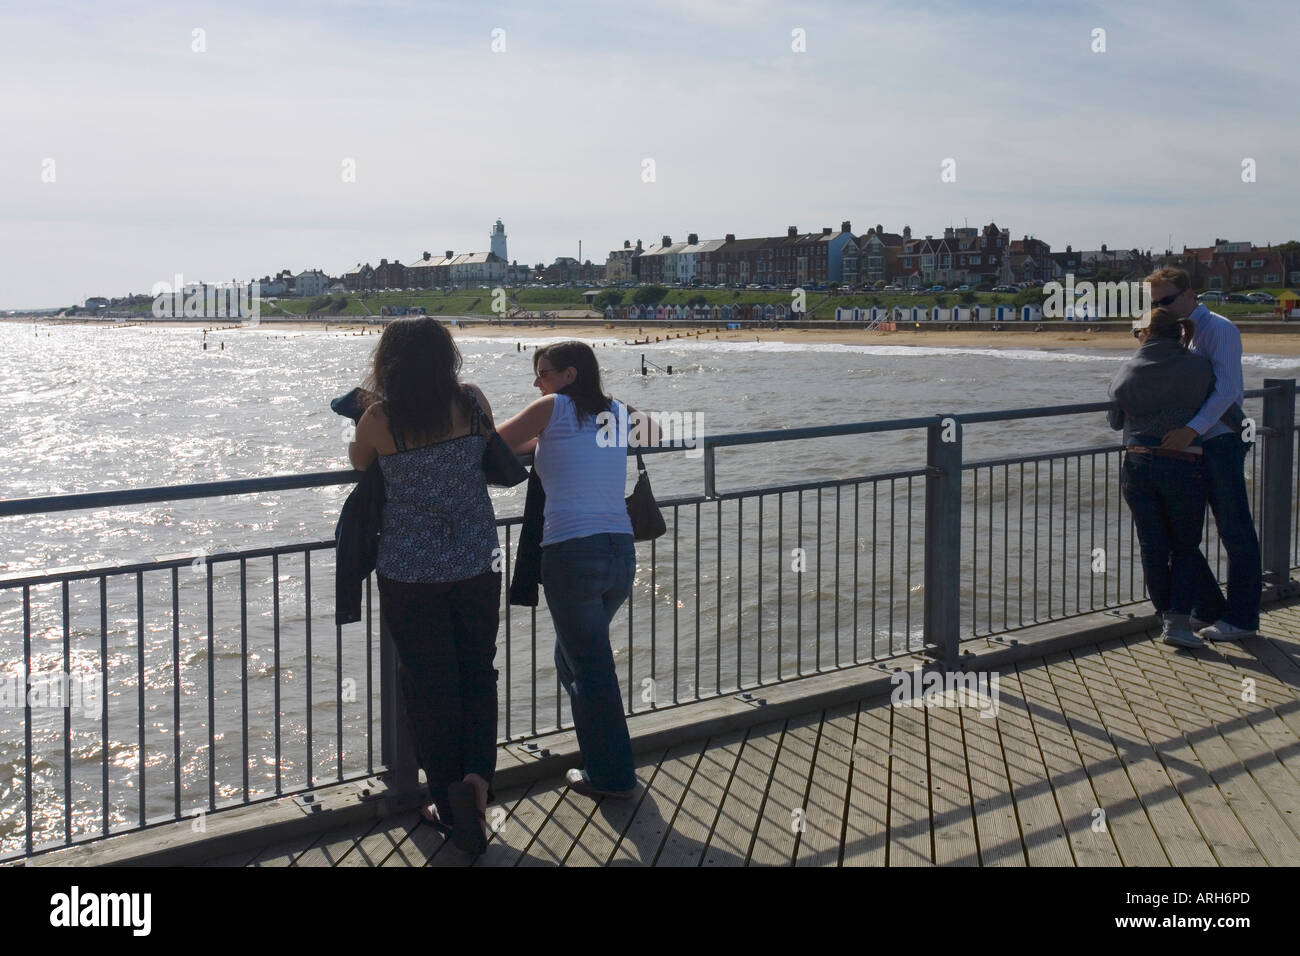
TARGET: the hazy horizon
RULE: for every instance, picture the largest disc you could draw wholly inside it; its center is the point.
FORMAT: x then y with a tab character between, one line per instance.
228	163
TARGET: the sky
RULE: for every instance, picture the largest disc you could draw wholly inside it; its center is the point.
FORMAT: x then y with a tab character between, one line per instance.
230	140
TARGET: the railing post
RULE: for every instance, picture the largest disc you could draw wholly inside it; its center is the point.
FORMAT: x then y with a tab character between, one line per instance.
396	749
710	481
1277	495
942	616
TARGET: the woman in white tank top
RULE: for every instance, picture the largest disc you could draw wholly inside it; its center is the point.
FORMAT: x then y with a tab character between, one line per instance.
588	559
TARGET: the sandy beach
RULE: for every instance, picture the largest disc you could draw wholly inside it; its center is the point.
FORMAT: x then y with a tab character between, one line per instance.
1259	343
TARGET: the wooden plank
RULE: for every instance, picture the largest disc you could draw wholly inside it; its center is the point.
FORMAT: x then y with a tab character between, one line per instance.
909	789
1181	840
560	831
382	840
739	814
952	818
612	817
1124	815
1041	828
1256	813
1065	769
785	807
498	811
821	841
422	844
242	858
1219	826
689	837
996	829
285	852
649	826
334	845
866	824
520	827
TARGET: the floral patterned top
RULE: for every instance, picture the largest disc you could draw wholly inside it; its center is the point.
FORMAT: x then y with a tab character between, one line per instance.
438	523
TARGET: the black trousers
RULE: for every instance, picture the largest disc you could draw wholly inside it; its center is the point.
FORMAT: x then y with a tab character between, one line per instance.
446	639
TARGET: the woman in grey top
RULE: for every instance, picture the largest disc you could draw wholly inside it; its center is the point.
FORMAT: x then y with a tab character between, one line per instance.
1160	389
440	589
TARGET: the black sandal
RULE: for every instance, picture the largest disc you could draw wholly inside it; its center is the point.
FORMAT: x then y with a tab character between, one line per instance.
467	825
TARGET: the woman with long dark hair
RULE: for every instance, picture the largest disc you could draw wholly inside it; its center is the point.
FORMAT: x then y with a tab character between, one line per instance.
440	592
588	560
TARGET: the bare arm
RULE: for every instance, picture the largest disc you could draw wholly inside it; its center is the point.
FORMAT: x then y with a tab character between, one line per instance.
521	432
361	450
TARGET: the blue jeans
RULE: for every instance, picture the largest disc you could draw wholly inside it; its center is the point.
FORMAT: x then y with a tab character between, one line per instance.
1167	500
586	580
1225	463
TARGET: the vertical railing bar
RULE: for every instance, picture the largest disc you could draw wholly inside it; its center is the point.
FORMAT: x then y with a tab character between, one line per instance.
139	654
975	552
103	680
893	505
67	721
798	594
311	747
698	602
176	693
857	491
212	695
758	643
243	667
507	615
1006	544
27	718
370	687
654	602
838	507
1037	485
338	695
780	581
817	590
740	589
631	600
875	499
717	603
1020	549
988	602
275	652
908	607
677	600
1051	519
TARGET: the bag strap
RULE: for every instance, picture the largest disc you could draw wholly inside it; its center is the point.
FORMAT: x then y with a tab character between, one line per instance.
476	411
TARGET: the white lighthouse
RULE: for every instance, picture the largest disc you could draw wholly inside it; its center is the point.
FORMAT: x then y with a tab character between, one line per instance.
499	240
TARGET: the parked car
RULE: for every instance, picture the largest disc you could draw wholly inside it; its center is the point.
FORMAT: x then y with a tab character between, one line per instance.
1211	297
1265	298
1237	297
936	288
962	288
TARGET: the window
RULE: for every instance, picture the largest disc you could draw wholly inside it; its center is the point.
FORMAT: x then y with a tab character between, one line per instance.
1257	263
1239	264
1270	277
974	260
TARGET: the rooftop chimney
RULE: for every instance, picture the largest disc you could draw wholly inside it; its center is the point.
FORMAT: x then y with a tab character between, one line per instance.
427	257
667	240
693	238
449	253
792	231
731	237
879	229
846	226
947	233
826	230
907	232
627	244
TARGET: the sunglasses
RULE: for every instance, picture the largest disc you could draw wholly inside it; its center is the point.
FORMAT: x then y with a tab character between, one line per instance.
1167	300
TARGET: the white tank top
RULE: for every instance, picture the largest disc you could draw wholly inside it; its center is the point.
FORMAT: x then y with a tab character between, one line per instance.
585	484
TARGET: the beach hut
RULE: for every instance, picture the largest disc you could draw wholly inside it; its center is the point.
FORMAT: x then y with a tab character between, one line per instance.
975	313
916	313
1027	313
898	313
726	313
1288	305
716	312
781	312
934	314
841	312
1005	313
661	312
769	313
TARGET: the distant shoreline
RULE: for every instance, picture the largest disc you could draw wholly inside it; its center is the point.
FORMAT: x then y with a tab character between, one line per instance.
1014	335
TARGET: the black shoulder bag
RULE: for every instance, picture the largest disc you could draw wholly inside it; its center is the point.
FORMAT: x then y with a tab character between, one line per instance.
501	467
647	519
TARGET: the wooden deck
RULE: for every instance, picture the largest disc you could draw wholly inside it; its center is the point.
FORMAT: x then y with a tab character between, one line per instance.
1128	753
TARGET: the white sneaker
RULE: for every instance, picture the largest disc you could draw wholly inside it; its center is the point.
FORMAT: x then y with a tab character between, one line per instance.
1223	631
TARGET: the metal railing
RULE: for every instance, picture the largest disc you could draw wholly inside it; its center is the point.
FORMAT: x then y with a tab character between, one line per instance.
223	684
